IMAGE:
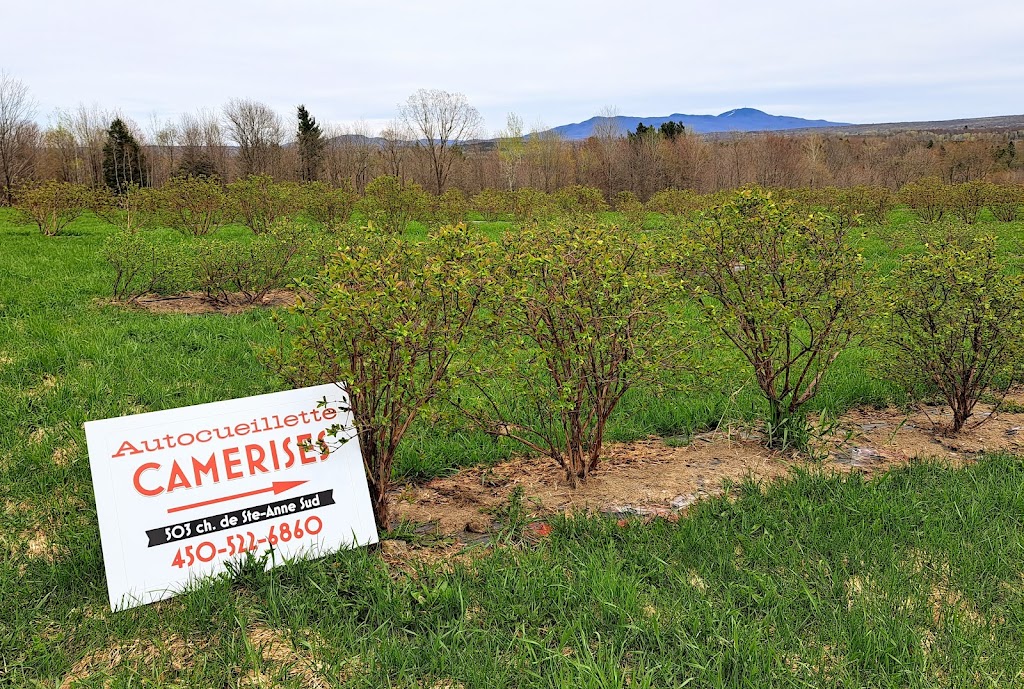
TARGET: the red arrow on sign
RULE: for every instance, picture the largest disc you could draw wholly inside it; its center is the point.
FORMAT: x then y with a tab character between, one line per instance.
277	487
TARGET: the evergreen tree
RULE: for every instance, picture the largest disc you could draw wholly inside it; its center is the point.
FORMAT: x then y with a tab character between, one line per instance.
642	131
1007	155
123	163
311	146
671	129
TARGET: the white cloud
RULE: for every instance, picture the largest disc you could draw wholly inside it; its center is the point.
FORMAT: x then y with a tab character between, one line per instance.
870	60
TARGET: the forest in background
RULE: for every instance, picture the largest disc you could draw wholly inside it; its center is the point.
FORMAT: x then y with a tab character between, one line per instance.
437	141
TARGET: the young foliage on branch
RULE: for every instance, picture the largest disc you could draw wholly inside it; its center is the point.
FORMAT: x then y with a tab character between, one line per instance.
872	203
966	200
787	289
678	202
928	198
631	209
531	205
326	205
245	273
449	208
1005	201
390	204
194	206
143	265
134	208
580	202
390	321
585	315
956	321
52	206
261	202
492	204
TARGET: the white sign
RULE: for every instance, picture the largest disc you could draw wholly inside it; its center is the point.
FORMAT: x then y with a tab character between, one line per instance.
182	492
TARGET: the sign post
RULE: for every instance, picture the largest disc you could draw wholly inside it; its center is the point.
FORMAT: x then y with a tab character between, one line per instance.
182	492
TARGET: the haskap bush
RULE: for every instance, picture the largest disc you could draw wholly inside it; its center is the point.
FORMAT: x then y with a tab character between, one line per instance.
585	313
955	317
787	288
393	321
52	206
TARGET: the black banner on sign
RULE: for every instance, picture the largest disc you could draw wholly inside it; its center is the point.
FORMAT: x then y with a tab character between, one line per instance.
243	517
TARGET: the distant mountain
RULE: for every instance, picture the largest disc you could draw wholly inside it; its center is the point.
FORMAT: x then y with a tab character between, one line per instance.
739	120
997	123
357	140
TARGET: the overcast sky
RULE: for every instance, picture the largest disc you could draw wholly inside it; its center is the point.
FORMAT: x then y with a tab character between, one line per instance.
551	62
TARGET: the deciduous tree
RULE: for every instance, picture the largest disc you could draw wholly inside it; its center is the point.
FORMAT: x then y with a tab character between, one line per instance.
88	125
17	134
258	132
202	145
442	120
394	147
511	149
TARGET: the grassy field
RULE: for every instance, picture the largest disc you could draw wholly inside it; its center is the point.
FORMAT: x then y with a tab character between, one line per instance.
914	580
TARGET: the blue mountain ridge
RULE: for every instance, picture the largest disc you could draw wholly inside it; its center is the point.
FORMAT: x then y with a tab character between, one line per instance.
738	120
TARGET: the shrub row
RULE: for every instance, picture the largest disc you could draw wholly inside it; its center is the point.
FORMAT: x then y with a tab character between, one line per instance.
931	200
240	272
198	206
570	315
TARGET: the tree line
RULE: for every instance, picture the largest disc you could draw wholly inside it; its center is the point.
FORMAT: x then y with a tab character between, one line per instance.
437	141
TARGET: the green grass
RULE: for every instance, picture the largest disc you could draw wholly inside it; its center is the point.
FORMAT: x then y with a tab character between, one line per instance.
912	580
776	566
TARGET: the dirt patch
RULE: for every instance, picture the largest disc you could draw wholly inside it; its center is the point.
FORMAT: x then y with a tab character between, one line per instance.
829	661
859	588
177	652
16	507
653	479
35	532
280	658
47	384
199	303
896	436
35	542
65	455
942	597
403	556
644	477
276	658
38	546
